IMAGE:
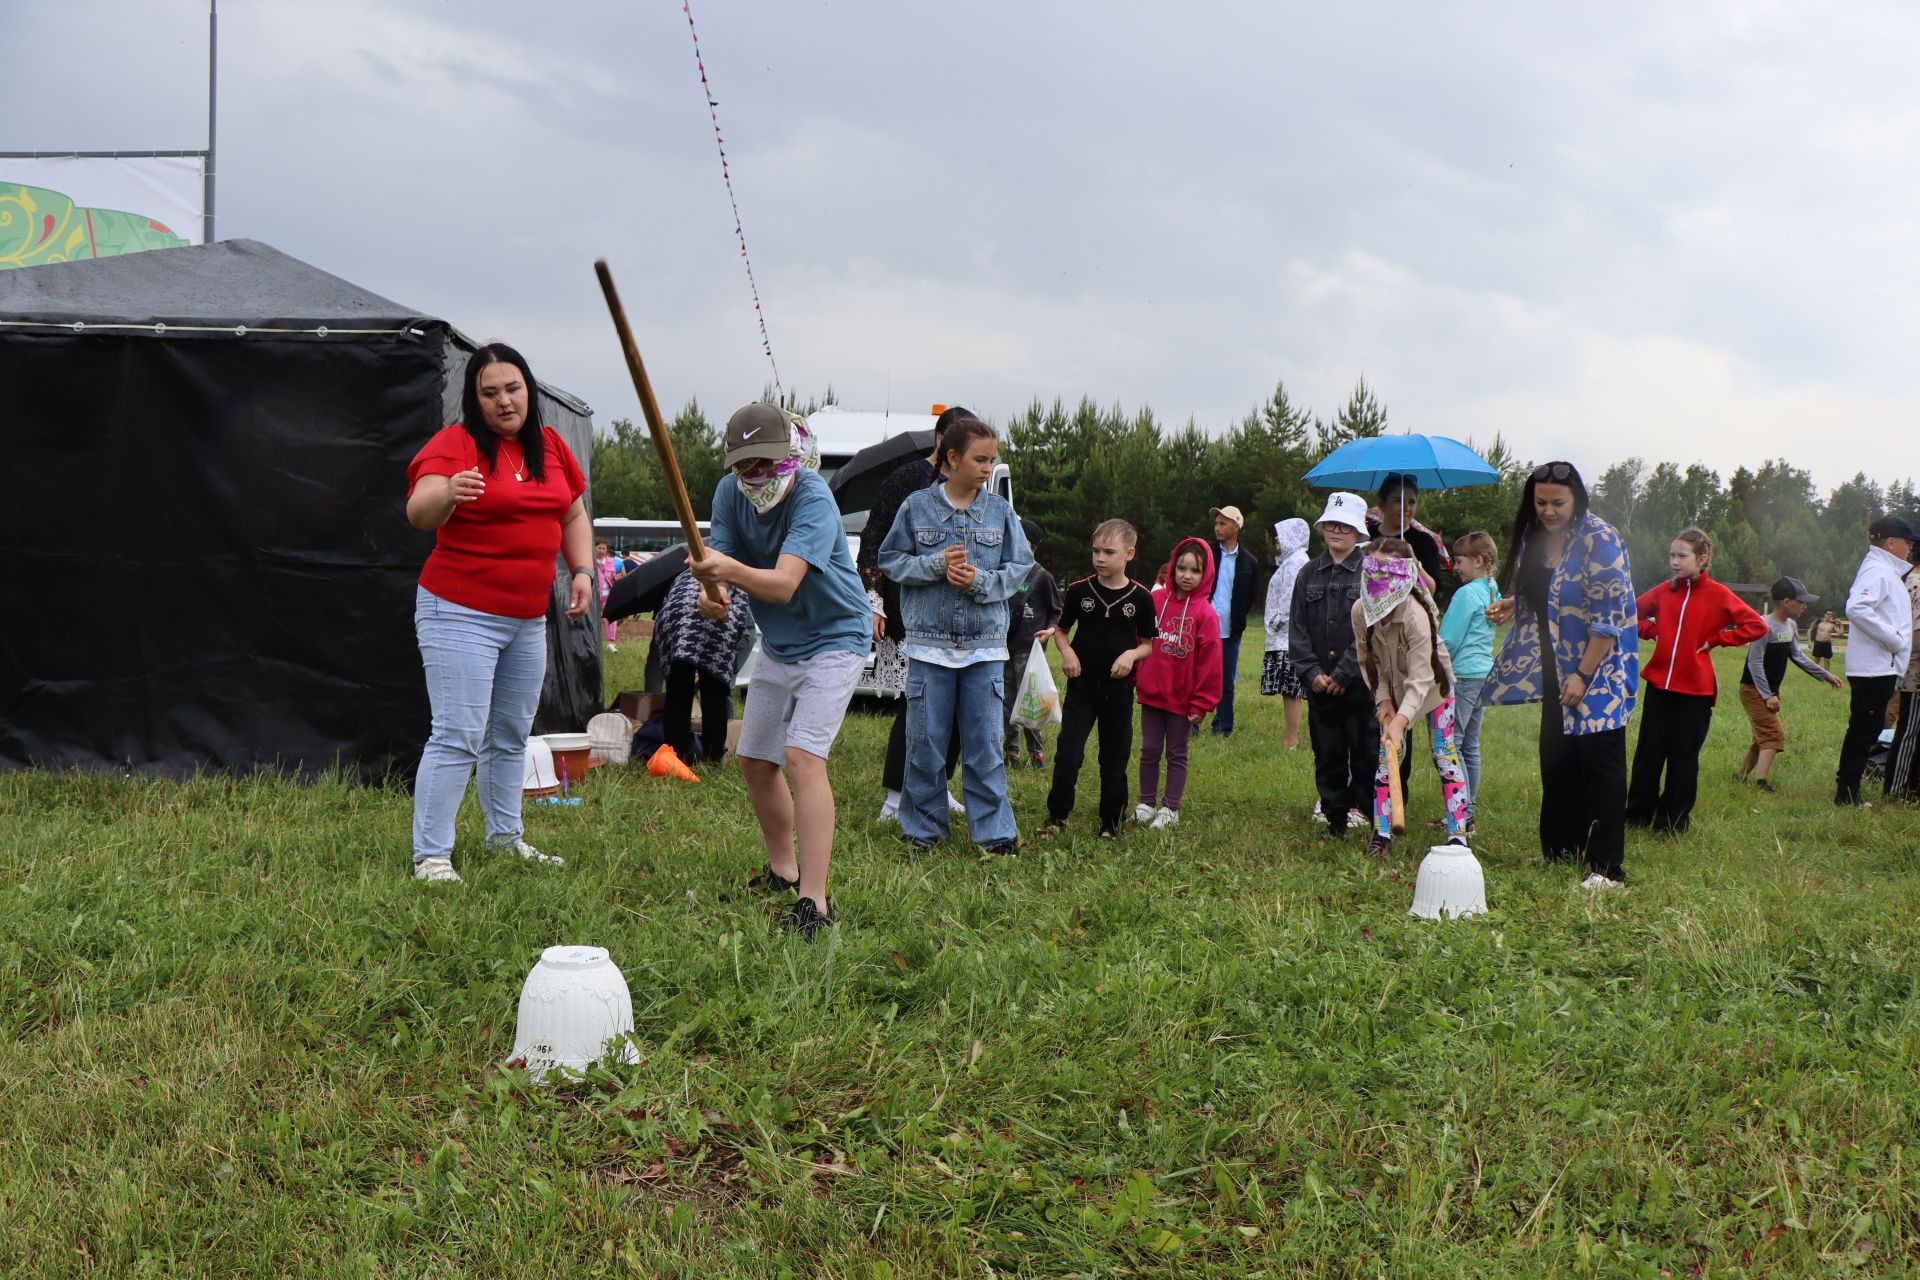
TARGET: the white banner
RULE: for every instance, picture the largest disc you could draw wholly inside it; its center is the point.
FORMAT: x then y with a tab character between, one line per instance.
60	210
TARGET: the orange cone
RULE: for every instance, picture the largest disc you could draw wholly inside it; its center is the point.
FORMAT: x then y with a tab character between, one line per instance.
666	763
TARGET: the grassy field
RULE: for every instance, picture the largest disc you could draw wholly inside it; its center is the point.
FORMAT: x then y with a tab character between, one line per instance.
236	1040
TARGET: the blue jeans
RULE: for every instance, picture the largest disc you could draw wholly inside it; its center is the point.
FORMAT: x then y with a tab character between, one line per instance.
1229	668
484	674
936	695
1468	712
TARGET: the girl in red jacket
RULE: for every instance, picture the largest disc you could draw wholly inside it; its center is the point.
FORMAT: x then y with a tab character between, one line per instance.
1180	680
1686	619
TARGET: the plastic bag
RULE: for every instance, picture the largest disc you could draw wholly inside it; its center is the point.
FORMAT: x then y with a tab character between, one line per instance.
1038	704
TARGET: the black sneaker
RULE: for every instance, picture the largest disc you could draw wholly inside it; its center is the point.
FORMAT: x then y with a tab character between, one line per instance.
1764	785
1107	833
1002	848
1334	833
771	882
806	919
1053	827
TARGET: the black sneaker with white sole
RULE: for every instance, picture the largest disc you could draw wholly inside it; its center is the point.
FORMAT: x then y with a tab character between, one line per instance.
805	919
772	883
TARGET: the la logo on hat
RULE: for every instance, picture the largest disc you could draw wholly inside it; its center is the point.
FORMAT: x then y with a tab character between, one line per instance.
1346	509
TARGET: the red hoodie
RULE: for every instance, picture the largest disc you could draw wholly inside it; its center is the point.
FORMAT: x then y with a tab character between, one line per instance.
1680	616
1182	670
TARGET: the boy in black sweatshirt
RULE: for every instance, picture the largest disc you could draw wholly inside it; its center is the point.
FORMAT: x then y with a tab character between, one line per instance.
1340	719
1111	617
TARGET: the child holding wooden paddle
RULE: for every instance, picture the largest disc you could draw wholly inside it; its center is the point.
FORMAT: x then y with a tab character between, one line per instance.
1396	630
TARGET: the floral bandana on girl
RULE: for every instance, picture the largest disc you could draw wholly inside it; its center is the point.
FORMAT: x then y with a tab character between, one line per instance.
1385	581
765	482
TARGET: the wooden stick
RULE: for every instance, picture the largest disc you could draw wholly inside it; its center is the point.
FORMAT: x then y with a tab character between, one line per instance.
1396	802
656	429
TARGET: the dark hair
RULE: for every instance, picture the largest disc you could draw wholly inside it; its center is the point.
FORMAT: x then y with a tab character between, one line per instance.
1030	531
1189	549
1524	519
1394	484
949	416
962	433
533	444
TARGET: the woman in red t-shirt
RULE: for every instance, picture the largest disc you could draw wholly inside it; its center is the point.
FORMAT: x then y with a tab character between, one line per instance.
502	501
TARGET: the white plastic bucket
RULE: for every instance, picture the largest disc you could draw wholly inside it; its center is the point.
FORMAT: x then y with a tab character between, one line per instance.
575	1010
1450	884
539	777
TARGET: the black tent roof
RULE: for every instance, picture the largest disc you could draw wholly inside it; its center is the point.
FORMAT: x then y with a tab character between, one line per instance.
227	284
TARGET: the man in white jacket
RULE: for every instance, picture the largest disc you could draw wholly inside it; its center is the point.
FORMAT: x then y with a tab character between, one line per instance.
1879	642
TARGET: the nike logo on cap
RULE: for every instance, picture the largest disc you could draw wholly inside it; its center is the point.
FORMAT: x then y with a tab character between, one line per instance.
748	435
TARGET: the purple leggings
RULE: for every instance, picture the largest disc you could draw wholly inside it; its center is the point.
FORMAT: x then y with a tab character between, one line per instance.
1159	729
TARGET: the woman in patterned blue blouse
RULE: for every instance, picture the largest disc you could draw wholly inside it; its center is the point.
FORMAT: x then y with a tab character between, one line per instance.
1567	579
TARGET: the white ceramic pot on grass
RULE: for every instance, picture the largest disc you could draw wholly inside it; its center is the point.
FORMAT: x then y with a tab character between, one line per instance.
574	1002
1450	884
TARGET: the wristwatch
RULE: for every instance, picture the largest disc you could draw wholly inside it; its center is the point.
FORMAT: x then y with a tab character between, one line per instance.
580	569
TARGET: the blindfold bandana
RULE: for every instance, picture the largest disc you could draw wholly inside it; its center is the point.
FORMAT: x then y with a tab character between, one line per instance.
1385	581
764	481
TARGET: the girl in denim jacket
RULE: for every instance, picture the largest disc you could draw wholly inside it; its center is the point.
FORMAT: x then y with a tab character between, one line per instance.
959	555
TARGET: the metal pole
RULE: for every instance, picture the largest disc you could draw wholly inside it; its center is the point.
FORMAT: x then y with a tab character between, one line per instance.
213	83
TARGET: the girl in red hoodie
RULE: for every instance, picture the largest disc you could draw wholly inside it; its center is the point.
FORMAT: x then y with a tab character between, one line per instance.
1686	618
1180	680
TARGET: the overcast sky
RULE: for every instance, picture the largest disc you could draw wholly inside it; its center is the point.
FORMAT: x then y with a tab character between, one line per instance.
1683	231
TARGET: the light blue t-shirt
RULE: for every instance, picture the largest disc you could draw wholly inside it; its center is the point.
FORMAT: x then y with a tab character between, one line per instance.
1223	589
1466	631
829	611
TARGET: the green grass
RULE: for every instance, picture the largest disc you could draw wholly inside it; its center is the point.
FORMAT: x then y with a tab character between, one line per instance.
236	1040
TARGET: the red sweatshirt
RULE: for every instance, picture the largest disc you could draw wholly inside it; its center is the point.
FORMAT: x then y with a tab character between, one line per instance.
1182	670
1680	616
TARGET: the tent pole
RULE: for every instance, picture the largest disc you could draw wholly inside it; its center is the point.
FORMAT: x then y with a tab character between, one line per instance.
213	66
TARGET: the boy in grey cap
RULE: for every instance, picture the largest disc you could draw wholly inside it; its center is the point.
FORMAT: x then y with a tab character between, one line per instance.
1766	667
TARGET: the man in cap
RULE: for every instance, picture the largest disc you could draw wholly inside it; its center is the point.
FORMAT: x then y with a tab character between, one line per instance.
1236	577
1879	642
1766	667
777	536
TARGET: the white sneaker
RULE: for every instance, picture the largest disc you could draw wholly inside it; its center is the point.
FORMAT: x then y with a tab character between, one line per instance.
954	806
1598	881
1355	818
1164	819
1319	812
1144	812
522	849
436	871
613	648
889	812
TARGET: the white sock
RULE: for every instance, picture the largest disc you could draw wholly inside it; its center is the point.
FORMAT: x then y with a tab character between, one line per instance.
892	803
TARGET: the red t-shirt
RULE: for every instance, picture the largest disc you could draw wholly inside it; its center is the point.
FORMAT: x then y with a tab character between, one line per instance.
495	554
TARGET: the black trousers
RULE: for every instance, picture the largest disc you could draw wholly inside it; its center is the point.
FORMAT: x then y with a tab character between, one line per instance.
1346	750
1866	712
1673	728
1092	702
1583	792
893	770
716	708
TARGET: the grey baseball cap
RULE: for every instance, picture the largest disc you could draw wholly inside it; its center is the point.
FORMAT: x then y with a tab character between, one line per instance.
760	430
1787	588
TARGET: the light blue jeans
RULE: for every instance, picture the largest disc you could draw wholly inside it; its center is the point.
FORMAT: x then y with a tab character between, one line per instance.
935	696
1468	712
484	674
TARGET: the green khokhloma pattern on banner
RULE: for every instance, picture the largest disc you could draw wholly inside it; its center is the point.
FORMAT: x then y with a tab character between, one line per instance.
38	226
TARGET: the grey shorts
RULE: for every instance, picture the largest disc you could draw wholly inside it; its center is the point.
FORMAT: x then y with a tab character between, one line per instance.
797	704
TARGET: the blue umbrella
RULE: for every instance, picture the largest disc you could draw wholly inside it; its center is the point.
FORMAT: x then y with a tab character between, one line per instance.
1434	462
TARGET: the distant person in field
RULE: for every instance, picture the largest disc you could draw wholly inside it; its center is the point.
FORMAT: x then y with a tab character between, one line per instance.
697	656
1687	618
1396	629
1180	681
1032	615
777	537
605	569
889	627
502	496
1469	640
1822	636
1568	589
959	555
1277	675
1763	672
1903	771
1106	625
1340	720
1236	580
1879	646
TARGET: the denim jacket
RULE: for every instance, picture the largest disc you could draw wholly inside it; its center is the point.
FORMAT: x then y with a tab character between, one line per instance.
914	555
1592	594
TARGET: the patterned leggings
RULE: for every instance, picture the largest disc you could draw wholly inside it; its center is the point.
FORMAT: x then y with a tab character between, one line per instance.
1446	762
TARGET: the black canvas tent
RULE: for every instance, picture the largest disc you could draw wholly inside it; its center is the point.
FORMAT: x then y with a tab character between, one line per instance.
205	563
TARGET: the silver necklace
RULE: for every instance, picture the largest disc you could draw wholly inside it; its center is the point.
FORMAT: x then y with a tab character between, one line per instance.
1093	584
